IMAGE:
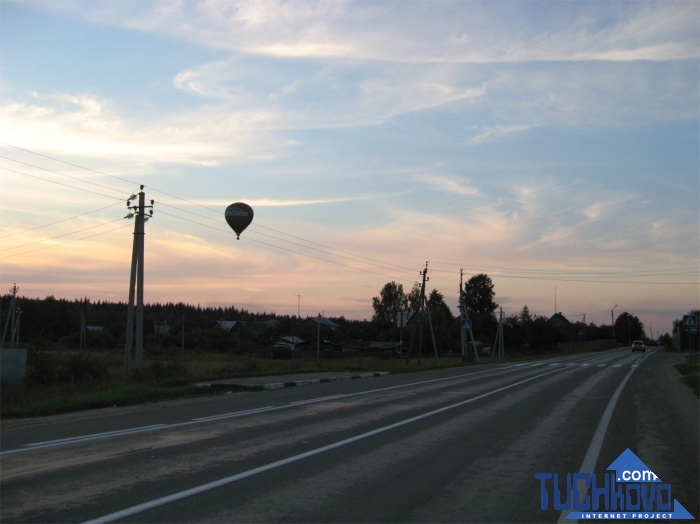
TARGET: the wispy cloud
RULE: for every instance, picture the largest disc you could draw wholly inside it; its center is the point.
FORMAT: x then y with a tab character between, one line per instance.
496	132
450	184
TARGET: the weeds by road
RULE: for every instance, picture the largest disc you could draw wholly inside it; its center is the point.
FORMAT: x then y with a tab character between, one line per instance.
59	382
691	373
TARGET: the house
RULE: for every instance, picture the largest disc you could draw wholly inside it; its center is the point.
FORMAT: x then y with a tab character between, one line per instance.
161	328
317	322
560	322
292	342
563	326
226	325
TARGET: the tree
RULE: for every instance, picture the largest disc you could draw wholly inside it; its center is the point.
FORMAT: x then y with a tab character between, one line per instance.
414	299
441	317
478	299
478	295
390	301
628	328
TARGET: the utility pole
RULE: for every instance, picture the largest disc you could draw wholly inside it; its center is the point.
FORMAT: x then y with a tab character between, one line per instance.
498	344
136	281
612	320
462	308
83	337
10	318
423	307
424	274
466	323
318	338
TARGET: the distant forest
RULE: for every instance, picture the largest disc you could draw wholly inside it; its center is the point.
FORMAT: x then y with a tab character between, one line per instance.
58	324
54	322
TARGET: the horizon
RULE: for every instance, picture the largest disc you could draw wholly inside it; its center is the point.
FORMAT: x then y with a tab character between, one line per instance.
554	149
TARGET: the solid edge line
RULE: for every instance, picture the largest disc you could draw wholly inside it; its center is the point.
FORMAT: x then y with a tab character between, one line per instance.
591	458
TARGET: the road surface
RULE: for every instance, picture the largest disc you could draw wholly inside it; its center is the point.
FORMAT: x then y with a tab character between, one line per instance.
457	445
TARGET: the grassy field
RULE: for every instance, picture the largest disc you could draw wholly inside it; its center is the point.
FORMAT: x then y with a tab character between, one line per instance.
62	382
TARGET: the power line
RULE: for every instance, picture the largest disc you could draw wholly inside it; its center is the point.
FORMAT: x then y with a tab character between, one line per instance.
279	247
505	272
62	174
69	163
59	183
64	235
59	221
64	243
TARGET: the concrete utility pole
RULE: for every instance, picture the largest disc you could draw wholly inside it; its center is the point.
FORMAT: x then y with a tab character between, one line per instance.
498	351
424	274
10	318
423	308
136	281
466	327
462	332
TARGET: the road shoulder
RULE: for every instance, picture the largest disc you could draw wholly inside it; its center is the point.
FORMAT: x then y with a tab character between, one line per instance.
668	428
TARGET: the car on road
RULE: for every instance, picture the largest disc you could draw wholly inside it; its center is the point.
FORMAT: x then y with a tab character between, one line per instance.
638	345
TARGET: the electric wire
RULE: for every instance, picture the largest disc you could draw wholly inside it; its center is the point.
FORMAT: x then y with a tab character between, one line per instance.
518	273
64	235
59	221
383	266
59	183
62	174
278	247
64	243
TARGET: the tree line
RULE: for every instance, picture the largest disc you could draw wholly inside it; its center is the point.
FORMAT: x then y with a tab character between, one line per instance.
55	322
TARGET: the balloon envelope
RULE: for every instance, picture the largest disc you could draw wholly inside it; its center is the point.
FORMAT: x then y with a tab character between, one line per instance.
239	216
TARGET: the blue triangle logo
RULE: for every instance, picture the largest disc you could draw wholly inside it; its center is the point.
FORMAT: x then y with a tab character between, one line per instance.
629	468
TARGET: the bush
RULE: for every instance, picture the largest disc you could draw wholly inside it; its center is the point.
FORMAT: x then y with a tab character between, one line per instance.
41	369
81	367
161	370
45	369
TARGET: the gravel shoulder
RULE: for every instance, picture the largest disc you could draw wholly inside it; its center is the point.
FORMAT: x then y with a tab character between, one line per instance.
668	428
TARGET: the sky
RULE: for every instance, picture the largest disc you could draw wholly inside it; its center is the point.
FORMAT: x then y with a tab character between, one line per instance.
554	146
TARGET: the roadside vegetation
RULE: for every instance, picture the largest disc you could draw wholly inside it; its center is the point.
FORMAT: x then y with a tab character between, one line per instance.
691	373
73	362
62	382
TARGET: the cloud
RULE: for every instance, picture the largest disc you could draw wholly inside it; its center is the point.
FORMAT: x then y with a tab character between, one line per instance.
497	132
450	184
412	32
87	126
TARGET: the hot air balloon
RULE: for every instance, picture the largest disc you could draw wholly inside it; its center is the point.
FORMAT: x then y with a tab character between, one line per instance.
239	216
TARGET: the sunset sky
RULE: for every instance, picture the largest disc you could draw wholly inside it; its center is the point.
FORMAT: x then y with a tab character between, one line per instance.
553	145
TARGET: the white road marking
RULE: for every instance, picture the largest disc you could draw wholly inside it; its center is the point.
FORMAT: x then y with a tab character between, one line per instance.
320	399
591	457
139	508
235	414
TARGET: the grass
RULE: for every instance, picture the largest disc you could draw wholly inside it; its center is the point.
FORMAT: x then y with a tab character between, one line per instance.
96	380
691	373
67	380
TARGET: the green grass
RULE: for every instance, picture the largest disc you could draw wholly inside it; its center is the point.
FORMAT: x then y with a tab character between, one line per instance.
171	378
96	396
691	373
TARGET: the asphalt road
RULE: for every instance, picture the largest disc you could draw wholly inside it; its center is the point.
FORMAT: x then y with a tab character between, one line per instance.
458	445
